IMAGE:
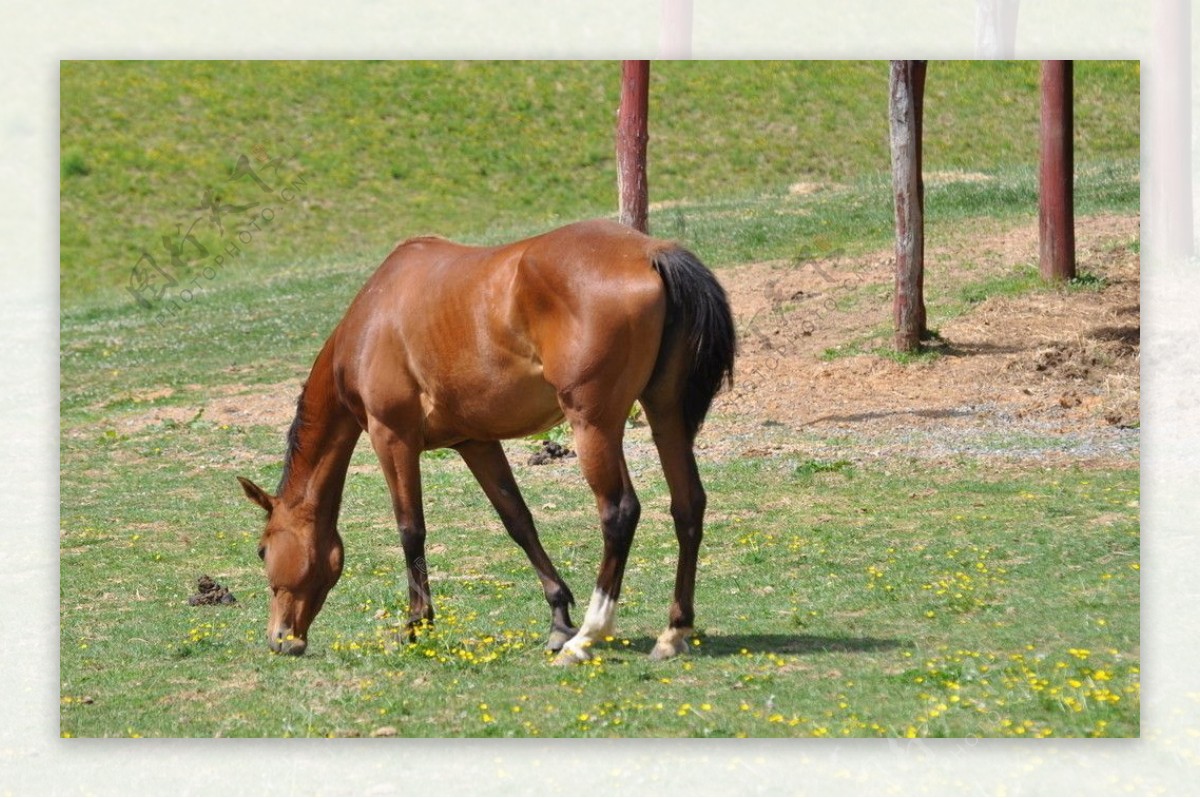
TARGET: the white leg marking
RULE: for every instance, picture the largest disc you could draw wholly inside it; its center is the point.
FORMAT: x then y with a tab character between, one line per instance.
597	624
600	615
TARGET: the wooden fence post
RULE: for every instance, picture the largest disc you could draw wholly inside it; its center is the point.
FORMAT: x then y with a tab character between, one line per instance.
1056	193
907	87
632	136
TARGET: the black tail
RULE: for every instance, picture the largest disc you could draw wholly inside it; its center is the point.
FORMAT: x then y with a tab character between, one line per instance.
698	312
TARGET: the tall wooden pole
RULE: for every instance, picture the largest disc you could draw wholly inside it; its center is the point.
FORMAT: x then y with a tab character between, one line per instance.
1056	196
632	137
907	88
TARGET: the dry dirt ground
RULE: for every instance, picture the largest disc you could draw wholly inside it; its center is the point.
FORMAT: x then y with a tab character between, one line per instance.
1051	375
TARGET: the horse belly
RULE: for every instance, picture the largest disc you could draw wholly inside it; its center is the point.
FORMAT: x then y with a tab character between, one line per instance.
491	410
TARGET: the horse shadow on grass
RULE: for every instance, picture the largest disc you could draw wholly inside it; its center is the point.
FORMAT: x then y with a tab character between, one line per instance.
735	644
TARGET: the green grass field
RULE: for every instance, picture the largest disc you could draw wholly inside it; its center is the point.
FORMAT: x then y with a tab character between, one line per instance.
883	598
486	151
831	602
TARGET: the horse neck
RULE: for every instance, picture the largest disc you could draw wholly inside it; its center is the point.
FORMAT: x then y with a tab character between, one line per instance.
320	444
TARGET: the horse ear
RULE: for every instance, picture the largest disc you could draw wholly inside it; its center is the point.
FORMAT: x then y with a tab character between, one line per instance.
257	495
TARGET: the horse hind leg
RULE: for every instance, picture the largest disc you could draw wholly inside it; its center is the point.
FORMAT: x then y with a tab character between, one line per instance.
688	502
490	467
603	463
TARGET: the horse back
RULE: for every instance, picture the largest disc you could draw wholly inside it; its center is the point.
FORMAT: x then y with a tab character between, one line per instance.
461	333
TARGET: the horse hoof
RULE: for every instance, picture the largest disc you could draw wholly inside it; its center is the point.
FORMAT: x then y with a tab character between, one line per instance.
671	643
558	638
571	655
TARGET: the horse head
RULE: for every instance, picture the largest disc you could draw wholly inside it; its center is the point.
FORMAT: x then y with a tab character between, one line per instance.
303	564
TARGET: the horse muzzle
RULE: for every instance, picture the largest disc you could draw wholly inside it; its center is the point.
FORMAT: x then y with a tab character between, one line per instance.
284	642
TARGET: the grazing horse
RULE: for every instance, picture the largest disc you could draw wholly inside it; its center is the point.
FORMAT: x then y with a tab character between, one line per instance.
454	346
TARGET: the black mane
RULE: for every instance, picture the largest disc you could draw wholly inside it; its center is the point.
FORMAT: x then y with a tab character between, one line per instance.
293	440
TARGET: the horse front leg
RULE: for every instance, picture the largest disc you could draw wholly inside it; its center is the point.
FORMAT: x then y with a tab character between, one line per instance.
489	465
400	460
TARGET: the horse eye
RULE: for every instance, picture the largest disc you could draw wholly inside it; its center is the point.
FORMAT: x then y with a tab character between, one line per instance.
262	552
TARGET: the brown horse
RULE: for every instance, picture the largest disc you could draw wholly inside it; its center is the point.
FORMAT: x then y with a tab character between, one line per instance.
462	347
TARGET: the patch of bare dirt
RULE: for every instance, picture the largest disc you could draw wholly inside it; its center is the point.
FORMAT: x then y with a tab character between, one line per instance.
235	405
1058	364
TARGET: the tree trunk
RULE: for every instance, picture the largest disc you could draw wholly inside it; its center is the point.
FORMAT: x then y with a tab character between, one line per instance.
907	87
1056	196
632	136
